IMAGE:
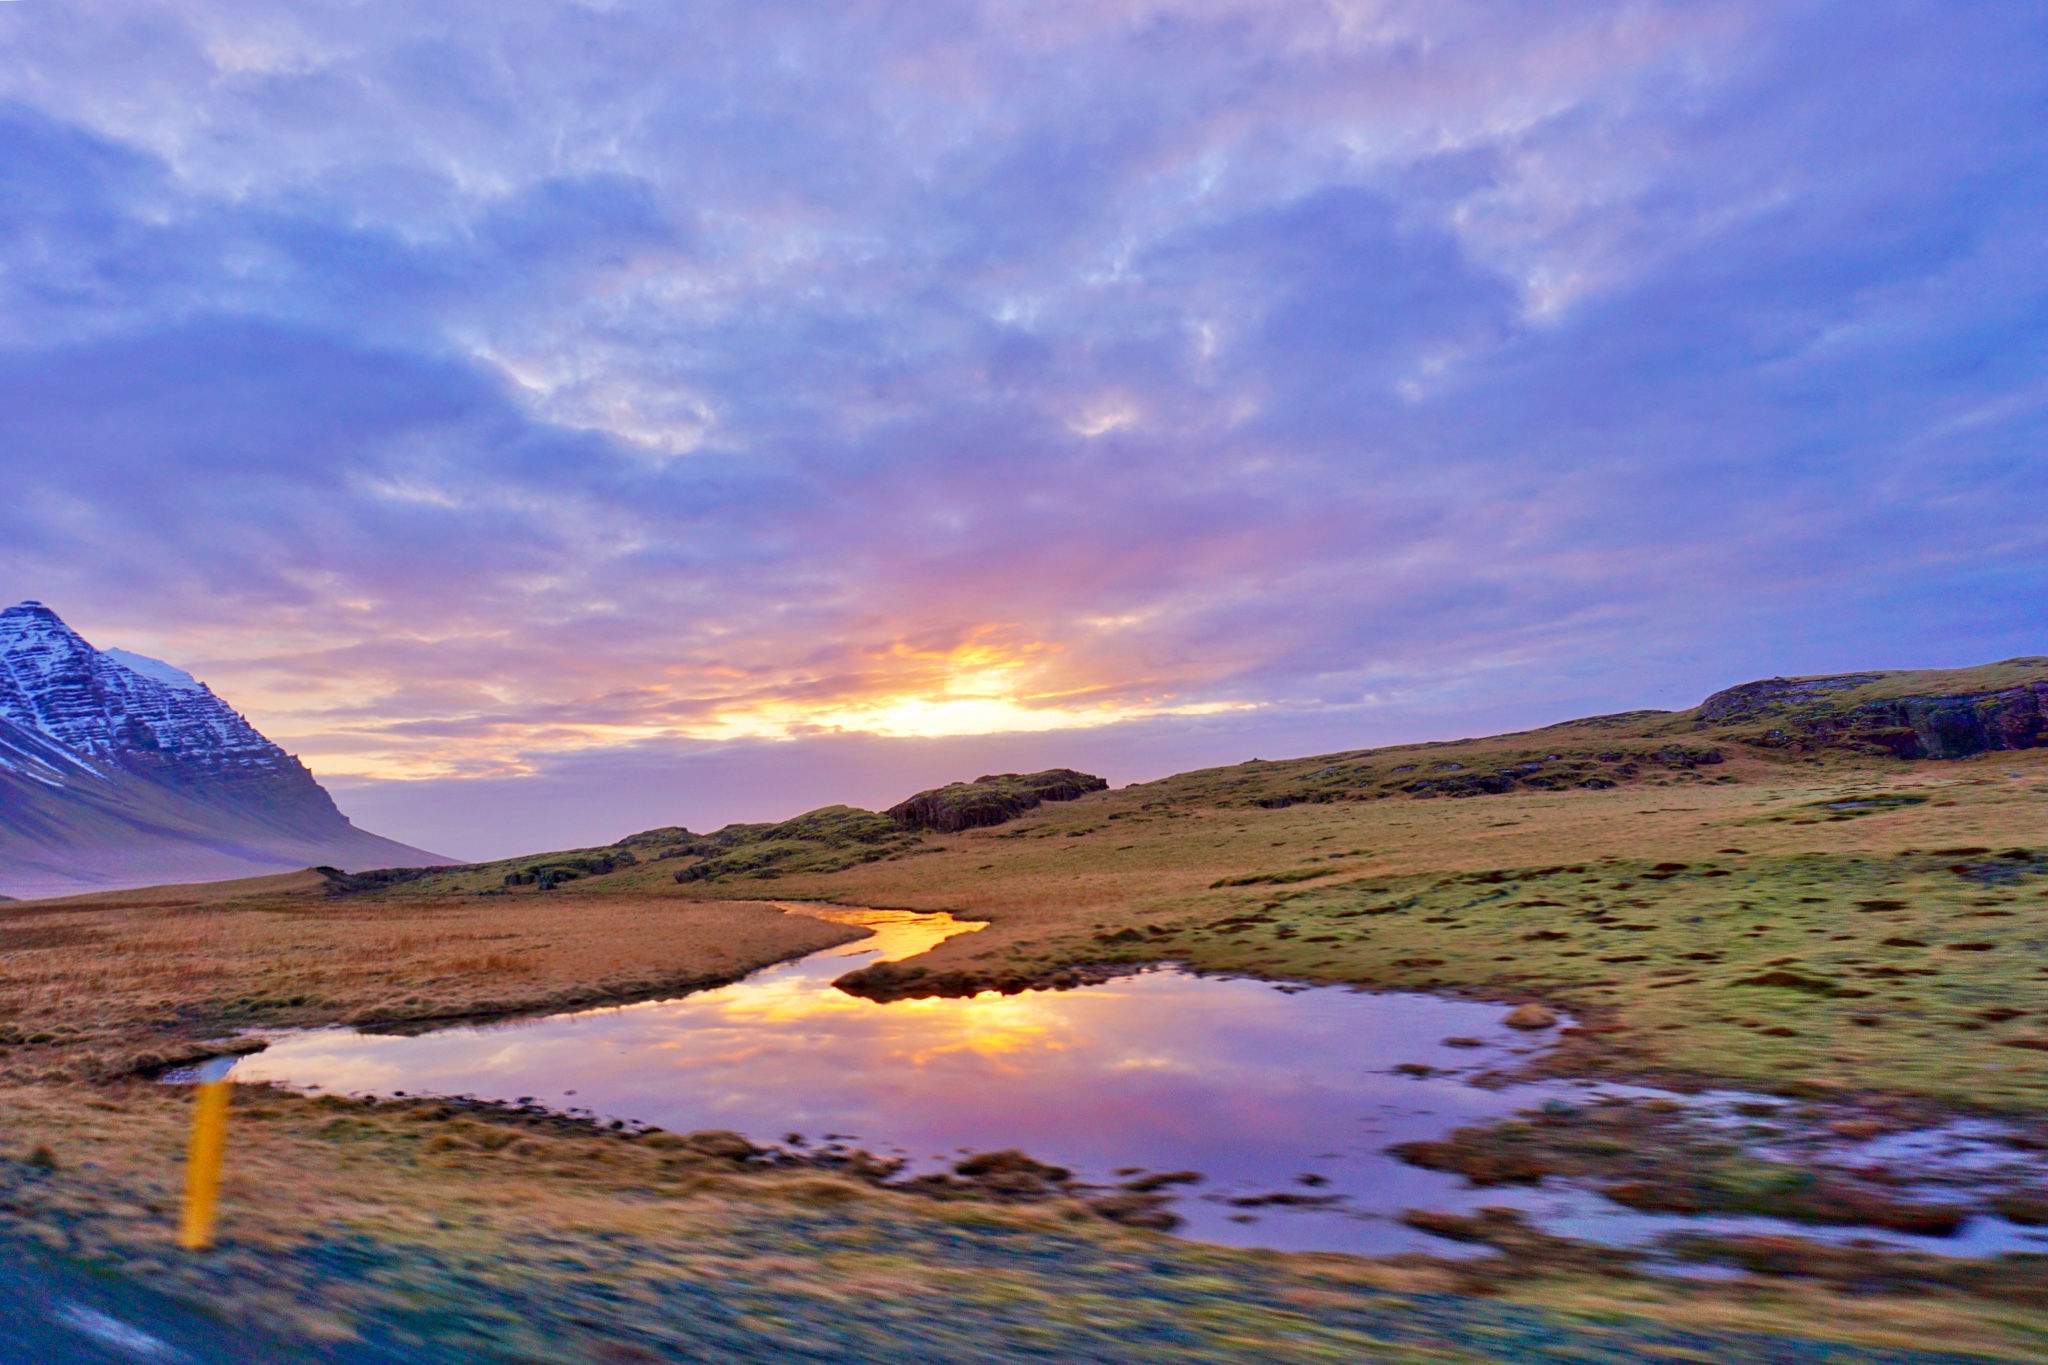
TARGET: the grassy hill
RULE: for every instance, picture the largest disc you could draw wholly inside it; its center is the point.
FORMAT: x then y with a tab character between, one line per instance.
1830	890
1752	891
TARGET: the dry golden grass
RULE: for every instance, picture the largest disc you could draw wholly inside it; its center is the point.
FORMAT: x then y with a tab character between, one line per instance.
98	986
1113	852
93	986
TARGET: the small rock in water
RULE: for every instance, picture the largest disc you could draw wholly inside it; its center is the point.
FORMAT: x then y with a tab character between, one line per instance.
1137	1210
1531	1017
1415	1069
1009	1161
1858	1130
1464	1042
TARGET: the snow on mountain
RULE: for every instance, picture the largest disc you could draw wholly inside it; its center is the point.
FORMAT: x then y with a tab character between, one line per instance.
167	674
53	682
120	764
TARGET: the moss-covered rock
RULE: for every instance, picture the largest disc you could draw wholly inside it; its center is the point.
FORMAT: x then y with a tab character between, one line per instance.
991	799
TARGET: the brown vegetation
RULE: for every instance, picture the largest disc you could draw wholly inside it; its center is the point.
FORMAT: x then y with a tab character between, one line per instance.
1797	911
101	986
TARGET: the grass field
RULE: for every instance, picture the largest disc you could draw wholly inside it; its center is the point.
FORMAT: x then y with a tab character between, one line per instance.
1774	903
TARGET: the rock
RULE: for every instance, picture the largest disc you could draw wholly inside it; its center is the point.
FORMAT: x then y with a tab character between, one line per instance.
1950	726
1009	1161
1482	1168
2028	1208
1857	1130
721	1143
991	799
1531	1017
1136	1211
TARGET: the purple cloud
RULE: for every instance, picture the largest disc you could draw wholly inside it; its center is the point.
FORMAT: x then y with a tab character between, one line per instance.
469	392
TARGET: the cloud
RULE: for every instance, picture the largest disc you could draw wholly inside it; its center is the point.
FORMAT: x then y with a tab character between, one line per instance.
463	389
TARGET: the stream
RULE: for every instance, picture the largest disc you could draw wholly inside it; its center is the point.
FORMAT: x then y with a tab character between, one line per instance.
1264	1089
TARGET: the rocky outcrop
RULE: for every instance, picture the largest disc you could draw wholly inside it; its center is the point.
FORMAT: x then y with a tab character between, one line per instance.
990	800
1954	727
1803	713
1773	696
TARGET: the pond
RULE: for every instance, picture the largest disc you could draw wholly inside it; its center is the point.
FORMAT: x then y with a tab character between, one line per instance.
1264	1089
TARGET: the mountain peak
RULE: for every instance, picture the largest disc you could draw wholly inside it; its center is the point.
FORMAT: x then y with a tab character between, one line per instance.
28	622
86	734
33	612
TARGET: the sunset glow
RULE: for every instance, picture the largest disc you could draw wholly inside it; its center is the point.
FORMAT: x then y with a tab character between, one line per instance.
505	434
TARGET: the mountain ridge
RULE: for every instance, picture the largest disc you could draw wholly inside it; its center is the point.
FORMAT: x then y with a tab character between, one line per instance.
111	776
1883	715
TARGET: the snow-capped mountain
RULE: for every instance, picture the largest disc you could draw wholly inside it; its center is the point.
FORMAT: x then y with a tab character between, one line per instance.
121	770
164	673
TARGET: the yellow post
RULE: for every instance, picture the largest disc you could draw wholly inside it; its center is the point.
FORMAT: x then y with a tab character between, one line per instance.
202	1165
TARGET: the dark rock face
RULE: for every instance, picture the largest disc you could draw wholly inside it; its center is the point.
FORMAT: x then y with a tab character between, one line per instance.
549	873
990	800
57	687
1954	727
124	771
1906	727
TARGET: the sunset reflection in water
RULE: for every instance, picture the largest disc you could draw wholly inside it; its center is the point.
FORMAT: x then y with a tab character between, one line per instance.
1254	1086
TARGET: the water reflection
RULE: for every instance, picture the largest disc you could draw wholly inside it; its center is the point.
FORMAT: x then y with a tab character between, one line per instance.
1263	1089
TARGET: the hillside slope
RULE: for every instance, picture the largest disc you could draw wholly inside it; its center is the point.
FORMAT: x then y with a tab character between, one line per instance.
114	774
1755	889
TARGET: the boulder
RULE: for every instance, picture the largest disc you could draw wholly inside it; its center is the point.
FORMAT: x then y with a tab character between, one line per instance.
991	799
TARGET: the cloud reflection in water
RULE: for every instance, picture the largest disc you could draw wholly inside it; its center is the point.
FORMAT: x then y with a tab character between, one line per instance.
1251	1085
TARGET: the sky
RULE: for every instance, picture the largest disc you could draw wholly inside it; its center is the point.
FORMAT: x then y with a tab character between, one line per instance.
557	419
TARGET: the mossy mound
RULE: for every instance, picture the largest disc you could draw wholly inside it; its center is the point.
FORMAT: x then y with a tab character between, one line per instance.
992	799
829	839
1947	714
